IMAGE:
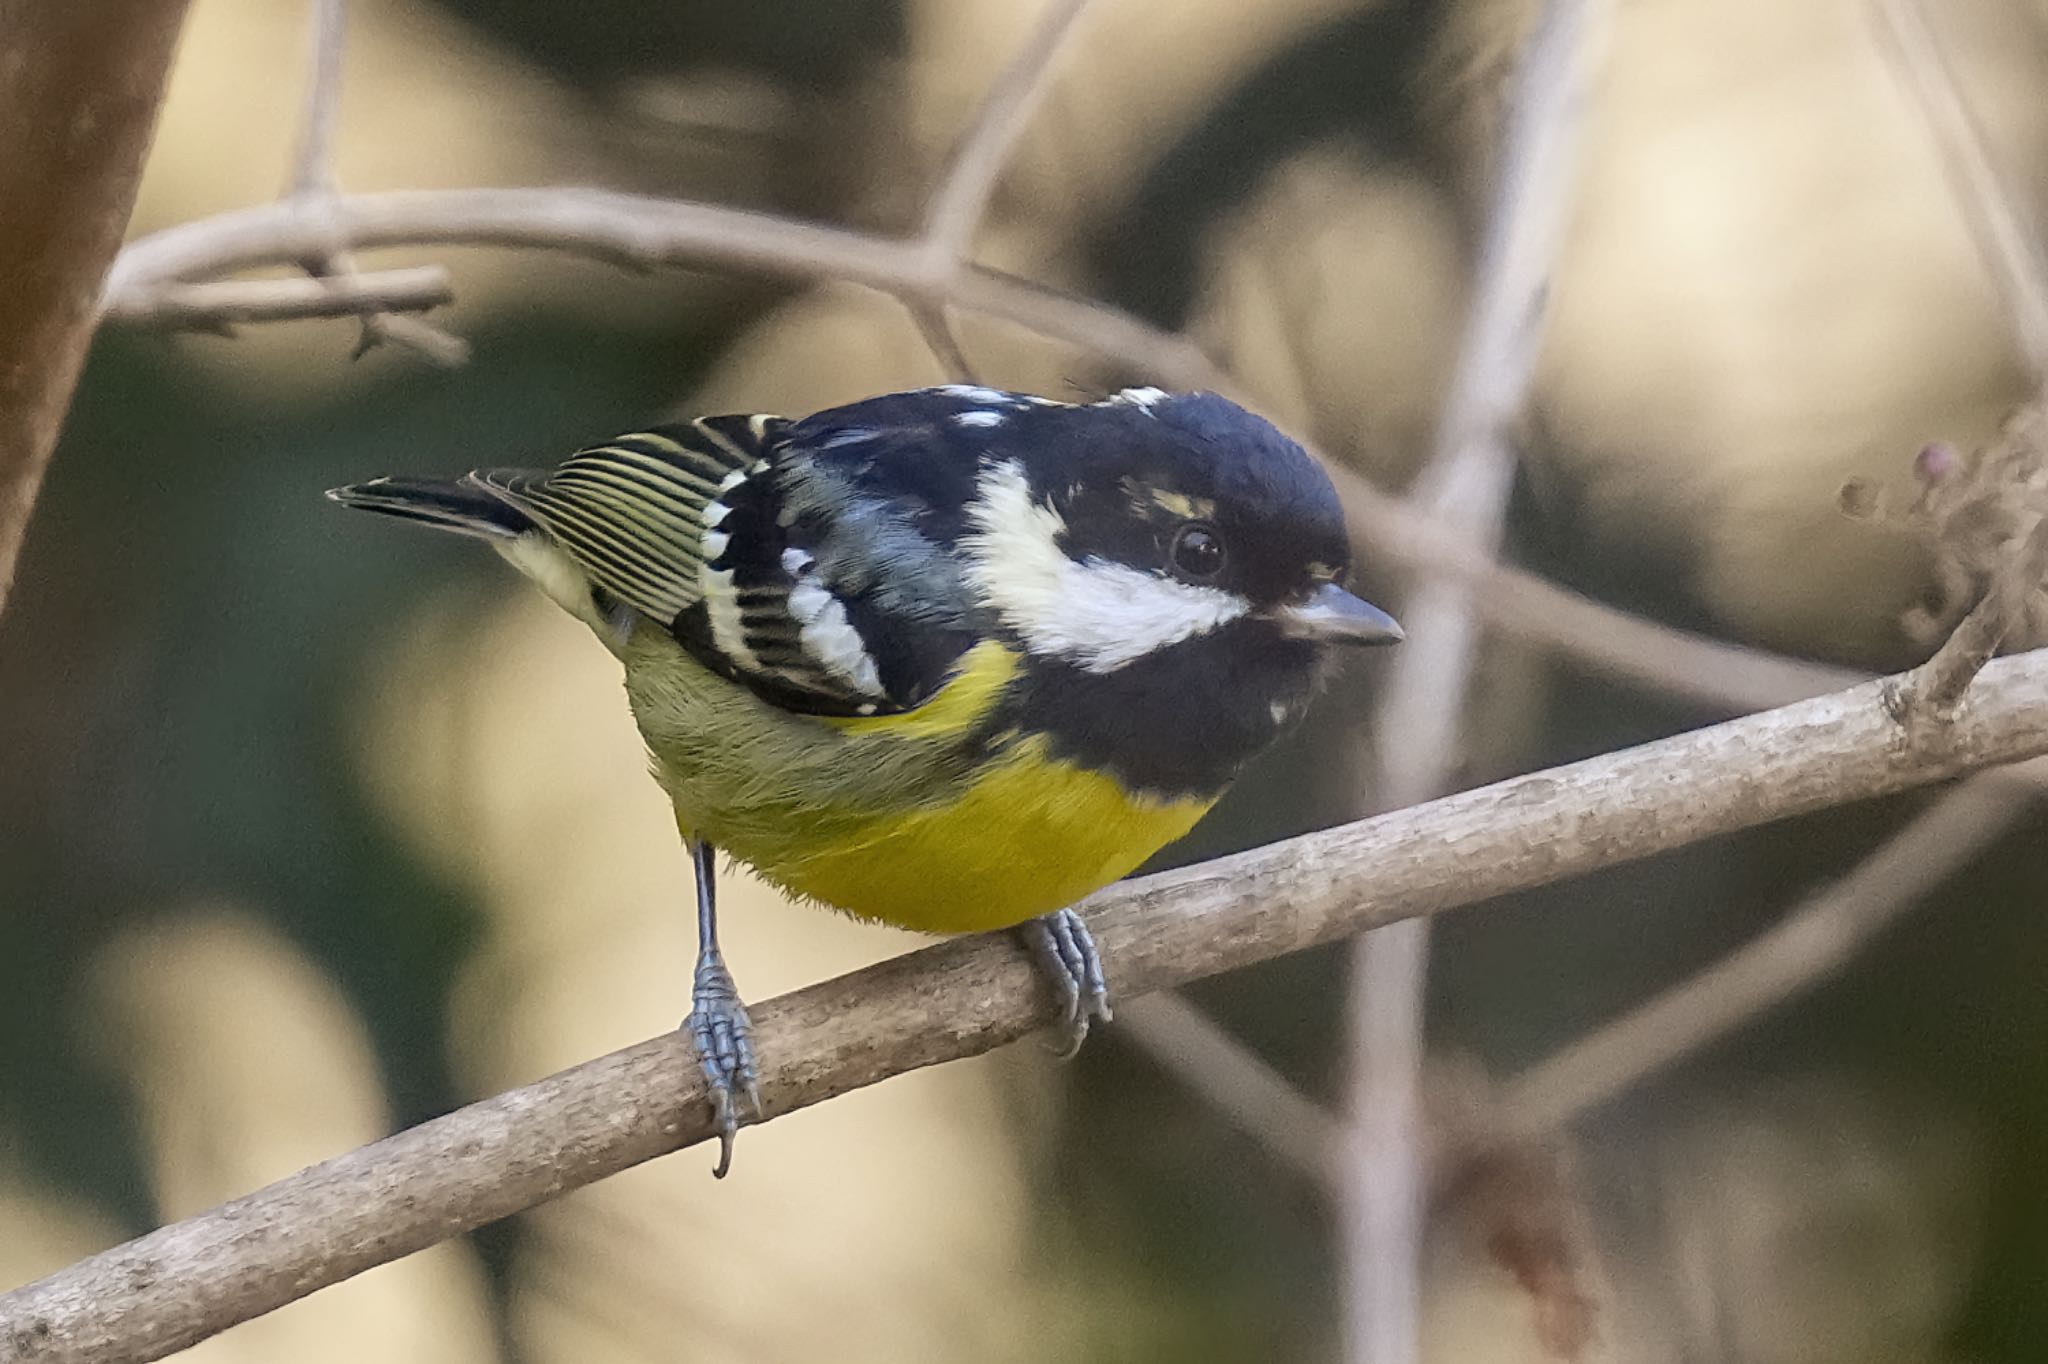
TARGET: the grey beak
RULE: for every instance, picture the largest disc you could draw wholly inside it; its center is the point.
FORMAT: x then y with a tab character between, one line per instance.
1334	616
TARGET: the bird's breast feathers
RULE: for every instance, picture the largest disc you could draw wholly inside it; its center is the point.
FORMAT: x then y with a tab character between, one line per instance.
924	820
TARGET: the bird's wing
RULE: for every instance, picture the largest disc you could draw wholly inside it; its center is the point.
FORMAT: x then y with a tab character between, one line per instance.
636	513
830	582
798	572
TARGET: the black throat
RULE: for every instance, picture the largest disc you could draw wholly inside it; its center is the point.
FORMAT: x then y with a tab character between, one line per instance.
1178	723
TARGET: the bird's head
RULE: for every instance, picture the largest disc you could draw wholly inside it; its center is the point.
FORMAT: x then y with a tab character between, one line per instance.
1108	534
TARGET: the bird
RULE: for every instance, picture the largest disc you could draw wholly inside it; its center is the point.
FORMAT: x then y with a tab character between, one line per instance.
950	659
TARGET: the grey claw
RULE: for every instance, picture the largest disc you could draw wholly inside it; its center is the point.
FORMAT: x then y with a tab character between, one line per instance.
1065	952
723	1038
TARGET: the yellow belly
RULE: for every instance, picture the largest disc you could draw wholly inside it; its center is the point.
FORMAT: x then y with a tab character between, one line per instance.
1029	836
877	817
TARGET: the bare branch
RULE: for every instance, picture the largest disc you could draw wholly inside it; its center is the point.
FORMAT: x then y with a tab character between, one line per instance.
962	197
2004	232
79	90
937	330
313	181
640	233
1806	947
2009	242
1525	606
178	1285
1221	1069
313	167
219	304
417	335
1936	687
1464	488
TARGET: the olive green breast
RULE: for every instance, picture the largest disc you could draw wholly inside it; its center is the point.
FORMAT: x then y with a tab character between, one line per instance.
922	820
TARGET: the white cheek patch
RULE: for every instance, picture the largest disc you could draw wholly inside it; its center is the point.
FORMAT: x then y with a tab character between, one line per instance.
1098	615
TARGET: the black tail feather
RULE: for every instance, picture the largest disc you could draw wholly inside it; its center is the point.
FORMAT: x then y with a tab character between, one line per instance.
457	505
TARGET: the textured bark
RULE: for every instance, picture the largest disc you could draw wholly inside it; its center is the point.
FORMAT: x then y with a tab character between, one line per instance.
80	84
178	1285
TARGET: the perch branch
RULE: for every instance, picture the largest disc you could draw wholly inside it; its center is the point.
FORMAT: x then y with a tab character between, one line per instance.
182	1283
79	90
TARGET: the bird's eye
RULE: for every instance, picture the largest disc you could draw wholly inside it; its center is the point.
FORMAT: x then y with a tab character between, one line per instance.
1197	551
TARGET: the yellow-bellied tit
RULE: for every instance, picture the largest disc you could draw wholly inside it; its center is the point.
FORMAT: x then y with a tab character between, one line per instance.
950	659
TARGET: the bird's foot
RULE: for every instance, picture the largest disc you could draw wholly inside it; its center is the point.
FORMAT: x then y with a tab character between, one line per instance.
1065	952
723	1036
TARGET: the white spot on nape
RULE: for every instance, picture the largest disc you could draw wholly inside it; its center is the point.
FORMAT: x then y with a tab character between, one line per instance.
1279	710
866	708
975	393
1142	398
1099	615
722	607
827	634
980	419
713	544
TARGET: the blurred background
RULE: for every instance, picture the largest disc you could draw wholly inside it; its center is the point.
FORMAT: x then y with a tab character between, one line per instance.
311	828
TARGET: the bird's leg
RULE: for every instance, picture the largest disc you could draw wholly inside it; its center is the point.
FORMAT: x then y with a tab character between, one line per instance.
1066	953
718	1023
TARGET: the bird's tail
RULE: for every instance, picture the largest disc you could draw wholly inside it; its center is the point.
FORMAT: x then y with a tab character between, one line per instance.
460	505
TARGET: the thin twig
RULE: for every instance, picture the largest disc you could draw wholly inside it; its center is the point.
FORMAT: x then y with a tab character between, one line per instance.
957	206
2009	242
1805	948
937	330
177	1286
219	304
639	232
1235	1080
313	182
313	167
80	84
1936	687
1464	487
642	232
2005	233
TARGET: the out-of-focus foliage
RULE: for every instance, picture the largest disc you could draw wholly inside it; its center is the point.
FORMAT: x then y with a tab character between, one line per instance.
310	827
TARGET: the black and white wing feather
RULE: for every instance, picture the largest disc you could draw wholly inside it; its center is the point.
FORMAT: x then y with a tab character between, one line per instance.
634	512
812	562
809	575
